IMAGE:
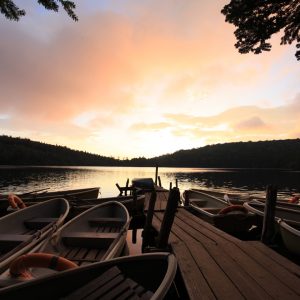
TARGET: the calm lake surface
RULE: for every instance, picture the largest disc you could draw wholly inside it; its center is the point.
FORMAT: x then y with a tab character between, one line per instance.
26	179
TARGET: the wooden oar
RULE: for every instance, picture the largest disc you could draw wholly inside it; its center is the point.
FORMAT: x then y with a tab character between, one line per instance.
116	240
27	242
36	191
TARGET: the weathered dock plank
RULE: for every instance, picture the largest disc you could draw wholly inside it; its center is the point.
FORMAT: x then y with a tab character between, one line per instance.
254	256
161	199
215	265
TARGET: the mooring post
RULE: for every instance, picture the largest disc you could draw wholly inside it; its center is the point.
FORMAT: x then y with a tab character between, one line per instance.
167	222
186	198
134	202
176	182
133	238
148	232
150	211
170	186
159	181
126	186
268	230
120	189
156	174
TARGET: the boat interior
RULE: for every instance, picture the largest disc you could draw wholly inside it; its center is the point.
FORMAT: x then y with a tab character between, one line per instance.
33	228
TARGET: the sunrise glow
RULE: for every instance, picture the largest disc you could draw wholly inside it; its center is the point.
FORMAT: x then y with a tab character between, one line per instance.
142	78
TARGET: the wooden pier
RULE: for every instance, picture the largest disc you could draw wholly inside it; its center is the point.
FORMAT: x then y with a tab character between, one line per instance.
215	265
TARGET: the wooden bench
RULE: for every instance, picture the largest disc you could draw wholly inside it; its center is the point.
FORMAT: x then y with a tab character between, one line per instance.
197	202
111	284
89	239
10	241
116	222
212	210
39	223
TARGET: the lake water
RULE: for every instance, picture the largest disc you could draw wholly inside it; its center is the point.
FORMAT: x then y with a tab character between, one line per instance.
25	179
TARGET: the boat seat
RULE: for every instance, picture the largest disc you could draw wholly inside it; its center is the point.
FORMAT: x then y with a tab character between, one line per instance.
111	284
200	203
89	239
10	241
212	210
118	222
39	223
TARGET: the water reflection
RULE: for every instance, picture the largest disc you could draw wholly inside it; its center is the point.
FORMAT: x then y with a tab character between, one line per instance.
24	179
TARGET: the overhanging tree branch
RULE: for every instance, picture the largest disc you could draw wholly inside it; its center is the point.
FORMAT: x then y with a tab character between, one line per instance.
12	12
258	20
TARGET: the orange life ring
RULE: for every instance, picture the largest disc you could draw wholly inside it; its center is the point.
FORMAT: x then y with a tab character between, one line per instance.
15	201
294	199
232	208
19	267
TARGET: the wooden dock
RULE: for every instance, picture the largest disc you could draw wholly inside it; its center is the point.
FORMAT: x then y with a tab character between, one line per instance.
161	199
215	265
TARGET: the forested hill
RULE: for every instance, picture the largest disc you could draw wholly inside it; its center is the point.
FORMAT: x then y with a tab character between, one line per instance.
18	151
265	154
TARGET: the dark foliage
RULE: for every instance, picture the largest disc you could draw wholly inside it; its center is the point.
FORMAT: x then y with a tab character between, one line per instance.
266	154
13	12
17	151
258	20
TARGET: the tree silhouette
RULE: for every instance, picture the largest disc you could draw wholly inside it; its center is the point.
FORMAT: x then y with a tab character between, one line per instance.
13	12
258	20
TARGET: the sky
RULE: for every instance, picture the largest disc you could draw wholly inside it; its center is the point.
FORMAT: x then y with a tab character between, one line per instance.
141	79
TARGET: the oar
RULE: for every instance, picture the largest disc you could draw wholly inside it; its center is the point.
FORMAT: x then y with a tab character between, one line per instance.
36	191
116	240
37	234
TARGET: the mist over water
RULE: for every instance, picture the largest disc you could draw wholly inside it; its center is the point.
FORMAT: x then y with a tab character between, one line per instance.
25	179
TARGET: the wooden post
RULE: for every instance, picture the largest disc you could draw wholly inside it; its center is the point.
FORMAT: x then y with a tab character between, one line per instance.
167	222
126	186
156	174
148	233
268	230
120	190
134	202
186	198
176	182
134	232
150	212
170	186
159	181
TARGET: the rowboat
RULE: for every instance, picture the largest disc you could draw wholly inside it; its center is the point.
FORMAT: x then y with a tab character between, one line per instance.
240	198
24	229
35	197
134	206
283	204
230	218
95	235
230	197
290	234
147	276
77	194
289	212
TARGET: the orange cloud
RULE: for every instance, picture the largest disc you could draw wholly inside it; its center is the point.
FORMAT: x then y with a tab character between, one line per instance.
253	123
140	67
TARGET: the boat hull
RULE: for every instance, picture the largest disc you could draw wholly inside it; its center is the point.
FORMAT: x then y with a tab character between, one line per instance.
207	207
31	226
152	272
290	236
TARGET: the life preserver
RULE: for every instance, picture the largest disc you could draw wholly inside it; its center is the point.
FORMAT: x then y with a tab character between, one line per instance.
19	267
232	208
15	201
294	199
